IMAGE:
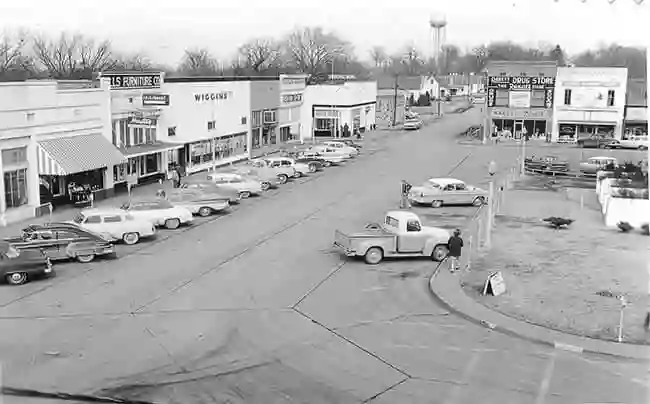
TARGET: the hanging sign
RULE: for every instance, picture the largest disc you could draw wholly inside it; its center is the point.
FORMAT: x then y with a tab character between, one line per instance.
494	285
155	99
141	122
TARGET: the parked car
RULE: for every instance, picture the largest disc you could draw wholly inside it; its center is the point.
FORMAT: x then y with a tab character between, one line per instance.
400	235
18	266
267	178
115	224
327	160
237	182
633	142
594	141
282	171
62	241
549	165
300	168
342	147
159	212
412	124
447	191
231	194
307	157
198	201
351	143
595	164
330	154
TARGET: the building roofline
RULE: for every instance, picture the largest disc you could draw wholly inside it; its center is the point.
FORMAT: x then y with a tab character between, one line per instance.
205	79
522	62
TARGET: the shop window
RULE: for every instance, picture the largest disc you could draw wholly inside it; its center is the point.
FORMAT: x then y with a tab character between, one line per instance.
269	116
14	157
171	131
538	98
323	124
611	96
15	188
114	130
125	138
502	98
150	135
151	163
212	125
256	138
567	96
172	159
265	136
138	136
272	136
133	166
256	119
119	172
285	134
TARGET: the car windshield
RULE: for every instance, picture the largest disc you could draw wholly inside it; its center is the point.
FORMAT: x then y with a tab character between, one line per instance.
79	218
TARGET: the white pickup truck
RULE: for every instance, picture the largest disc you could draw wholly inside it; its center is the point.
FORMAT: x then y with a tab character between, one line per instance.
400	235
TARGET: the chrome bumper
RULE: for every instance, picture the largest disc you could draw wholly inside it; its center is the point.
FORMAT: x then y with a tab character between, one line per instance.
347	251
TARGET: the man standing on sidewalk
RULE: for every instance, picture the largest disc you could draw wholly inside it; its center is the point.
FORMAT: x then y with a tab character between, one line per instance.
455	246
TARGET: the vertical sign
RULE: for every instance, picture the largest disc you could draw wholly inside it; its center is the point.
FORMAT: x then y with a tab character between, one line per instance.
548	98
491	96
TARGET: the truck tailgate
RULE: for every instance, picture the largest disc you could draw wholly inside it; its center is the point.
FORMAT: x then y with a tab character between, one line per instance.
342	240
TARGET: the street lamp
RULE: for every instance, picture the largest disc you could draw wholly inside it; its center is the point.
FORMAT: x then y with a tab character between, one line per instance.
492	169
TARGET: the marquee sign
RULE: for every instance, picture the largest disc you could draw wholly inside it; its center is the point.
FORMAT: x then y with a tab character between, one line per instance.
521	82
133	81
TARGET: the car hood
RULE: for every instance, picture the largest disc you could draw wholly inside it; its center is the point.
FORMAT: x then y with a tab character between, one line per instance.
436	232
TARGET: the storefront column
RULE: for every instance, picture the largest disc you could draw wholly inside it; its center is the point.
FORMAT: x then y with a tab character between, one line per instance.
33	182
3	203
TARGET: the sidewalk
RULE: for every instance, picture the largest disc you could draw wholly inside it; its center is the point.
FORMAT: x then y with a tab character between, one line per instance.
446	288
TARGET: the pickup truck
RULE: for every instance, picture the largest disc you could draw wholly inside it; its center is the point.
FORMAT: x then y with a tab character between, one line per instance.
400	235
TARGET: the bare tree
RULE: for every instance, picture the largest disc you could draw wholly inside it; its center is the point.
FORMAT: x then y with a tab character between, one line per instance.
132	62
379	56
311	49
261	54
72	56
198	62
15	64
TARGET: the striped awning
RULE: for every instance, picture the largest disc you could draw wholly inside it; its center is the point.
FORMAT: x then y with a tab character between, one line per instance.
75	154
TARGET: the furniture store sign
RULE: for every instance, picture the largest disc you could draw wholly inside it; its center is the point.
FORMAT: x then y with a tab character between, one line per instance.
207	97
133	81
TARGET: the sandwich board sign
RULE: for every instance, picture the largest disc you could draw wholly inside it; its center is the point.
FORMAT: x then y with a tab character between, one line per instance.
494	285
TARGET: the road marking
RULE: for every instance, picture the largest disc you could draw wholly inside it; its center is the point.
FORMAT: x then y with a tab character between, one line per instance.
546	382
467	373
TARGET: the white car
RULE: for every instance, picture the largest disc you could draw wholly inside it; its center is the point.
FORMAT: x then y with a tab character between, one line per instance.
299	169
282	171
342	147
334	156
159	212
412	124
115	224
437	192
237	182
632	142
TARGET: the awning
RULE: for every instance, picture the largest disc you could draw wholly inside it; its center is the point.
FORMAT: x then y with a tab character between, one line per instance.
149	148
588	123
75	154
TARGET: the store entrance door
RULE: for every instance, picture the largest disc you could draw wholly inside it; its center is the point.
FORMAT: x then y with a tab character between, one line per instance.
182	157
519	127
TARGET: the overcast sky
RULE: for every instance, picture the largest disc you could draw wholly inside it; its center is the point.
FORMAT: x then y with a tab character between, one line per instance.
162	29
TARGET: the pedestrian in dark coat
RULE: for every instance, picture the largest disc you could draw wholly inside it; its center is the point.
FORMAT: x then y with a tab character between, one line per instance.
179	175
455	246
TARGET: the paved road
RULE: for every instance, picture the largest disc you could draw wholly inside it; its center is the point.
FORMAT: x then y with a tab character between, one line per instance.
254	307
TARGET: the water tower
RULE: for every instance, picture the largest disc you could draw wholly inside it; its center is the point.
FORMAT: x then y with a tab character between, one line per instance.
438	24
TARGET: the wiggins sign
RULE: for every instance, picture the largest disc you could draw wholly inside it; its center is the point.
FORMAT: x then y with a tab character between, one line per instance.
203	97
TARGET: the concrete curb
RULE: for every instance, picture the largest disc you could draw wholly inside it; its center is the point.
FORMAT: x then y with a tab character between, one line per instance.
445	289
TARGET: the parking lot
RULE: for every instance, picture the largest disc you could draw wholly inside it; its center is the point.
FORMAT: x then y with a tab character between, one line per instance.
254	306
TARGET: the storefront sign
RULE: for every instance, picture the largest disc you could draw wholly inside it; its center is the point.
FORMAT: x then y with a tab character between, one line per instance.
292	80
291	98
503	113
155	99
521	82
223	95
549	95
519	99
141	122
133	81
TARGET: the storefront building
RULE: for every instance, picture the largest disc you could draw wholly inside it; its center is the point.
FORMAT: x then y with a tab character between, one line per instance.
520	97
264	112
53	137
208	120
338	110
136	104
590	100
390	107
636	109
292	89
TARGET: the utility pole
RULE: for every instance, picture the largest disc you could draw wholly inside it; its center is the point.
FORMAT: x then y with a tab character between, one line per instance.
395	100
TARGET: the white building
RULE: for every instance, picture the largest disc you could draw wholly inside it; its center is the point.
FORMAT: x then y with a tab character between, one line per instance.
329	110
53	135
209	118
292	91
589	100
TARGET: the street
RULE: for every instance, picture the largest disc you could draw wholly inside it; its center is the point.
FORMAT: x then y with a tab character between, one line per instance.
255	307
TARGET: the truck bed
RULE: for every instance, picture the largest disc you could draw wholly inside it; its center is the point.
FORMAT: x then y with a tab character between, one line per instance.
349	242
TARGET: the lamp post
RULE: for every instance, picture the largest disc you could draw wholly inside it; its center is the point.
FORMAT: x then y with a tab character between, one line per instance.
492	169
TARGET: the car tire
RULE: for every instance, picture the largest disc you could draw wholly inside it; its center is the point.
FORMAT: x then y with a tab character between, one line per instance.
373	256
313	168
439	253
205	211
283	178
17	278
85	258
244	195
436	204
266	186
643	147
327	163
131	238
298	174
172	224
478	201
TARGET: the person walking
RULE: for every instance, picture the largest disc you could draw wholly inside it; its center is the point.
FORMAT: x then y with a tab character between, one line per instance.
455	246
404	201
179	175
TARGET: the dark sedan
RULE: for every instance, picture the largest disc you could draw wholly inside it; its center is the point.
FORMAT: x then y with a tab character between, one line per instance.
62	241
18	266
595	141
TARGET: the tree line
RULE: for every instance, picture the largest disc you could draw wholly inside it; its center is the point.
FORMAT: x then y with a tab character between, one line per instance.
309	50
